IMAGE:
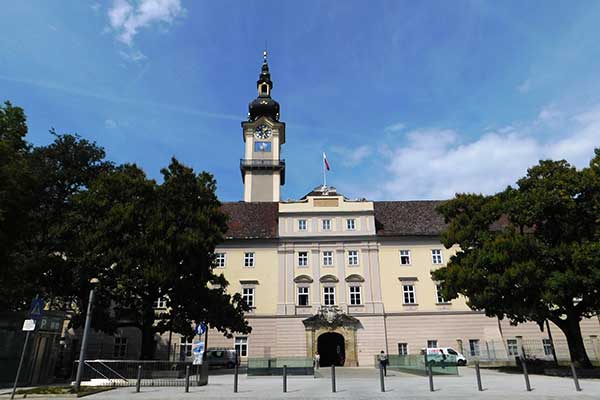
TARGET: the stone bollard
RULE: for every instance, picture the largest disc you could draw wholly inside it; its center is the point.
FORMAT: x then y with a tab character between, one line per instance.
139	379
575	380
187	378
478	375
333	378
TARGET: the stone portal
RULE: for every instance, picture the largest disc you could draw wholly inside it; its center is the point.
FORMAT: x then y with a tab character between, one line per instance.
332	333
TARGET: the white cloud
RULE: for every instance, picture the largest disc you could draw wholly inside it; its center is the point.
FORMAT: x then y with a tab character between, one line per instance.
436	164
397	127
132	55
351	157
127	17
110	124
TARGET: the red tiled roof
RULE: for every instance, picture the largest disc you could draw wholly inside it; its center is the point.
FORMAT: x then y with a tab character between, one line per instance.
251	220
407	218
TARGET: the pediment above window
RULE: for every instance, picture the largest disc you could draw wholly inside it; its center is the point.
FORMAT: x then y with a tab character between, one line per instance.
303	279
329	279
355	278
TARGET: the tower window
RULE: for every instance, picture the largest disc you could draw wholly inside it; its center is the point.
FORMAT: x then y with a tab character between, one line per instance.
264	88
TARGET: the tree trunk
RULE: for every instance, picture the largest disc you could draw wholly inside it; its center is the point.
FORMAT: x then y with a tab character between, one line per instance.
148	344
572	331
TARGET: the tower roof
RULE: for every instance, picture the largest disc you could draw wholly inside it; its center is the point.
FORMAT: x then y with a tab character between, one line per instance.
264	105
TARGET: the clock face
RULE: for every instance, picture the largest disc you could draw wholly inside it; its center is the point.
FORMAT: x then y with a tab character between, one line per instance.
262	132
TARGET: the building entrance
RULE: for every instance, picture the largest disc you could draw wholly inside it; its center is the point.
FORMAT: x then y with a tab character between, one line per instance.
332	349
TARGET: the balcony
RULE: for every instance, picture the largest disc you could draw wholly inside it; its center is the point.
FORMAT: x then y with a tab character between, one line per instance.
273	165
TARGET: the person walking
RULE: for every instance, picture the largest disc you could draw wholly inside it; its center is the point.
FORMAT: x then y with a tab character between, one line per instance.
383	362
317	360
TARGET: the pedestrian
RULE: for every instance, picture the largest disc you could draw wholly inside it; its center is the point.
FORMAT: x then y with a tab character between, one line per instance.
317	360
383	362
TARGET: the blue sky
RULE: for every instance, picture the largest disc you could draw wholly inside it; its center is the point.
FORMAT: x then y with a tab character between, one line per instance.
410	100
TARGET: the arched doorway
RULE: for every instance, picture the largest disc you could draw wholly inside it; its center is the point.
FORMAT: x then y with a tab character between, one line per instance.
332	349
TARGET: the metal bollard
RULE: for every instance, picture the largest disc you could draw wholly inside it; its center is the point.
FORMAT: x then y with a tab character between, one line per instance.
139	379
575	379
525	374
333	378
381	378
235	379
187	378
430	374
478	375
284	378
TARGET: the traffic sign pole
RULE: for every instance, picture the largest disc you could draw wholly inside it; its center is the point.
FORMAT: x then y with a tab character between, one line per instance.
12	396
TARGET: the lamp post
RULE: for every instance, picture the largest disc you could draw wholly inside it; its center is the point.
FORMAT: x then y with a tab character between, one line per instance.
86	331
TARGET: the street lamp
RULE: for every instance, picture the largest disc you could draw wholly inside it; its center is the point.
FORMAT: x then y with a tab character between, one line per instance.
86	331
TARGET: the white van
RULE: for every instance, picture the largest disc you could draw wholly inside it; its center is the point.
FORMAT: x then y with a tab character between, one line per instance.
448	351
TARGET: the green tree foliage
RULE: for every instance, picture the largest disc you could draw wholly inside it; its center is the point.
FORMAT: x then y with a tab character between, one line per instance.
530	253
154	241
67	215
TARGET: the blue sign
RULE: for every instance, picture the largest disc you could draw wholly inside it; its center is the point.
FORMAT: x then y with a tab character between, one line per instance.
198	347
200	328
37	308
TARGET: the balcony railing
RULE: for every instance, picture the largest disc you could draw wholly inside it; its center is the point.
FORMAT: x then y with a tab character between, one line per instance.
262	164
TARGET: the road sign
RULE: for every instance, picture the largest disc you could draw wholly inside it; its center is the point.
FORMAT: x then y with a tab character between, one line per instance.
200	328
29	325
198	347
37	308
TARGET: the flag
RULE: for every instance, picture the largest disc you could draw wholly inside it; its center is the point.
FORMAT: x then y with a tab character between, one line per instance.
325	161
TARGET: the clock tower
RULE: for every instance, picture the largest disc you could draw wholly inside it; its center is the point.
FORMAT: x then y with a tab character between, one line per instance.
263	170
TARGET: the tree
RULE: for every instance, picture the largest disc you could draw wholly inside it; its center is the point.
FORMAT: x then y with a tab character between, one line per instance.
530	253
159	242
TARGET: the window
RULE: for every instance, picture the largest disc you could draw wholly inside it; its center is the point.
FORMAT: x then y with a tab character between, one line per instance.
303	296
474	347
185	348
161	302
329	295
120	349
301	224
220	260
241	346
408	292
249	259
402	349
512	347
355	298
350	224
302	258
352	257
432	344
328	258
438	294
404	257
264	89
326	224
248	296
547	347
436	256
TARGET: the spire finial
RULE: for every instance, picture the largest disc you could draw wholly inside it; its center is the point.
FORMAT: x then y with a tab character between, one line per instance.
265	54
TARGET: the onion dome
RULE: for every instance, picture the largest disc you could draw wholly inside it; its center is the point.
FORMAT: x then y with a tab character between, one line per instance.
264	105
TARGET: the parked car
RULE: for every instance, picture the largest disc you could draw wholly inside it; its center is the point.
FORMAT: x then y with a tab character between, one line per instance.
222	357
445	352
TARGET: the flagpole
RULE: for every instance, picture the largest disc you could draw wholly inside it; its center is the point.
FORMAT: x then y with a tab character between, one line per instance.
324	173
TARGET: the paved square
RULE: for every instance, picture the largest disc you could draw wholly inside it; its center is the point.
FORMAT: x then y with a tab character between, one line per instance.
362	383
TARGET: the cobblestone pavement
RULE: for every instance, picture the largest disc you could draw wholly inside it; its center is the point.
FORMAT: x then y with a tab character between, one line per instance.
364	384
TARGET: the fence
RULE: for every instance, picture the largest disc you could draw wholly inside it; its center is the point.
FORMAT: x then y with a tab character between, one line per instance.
415	364
506	351
274	366
125	373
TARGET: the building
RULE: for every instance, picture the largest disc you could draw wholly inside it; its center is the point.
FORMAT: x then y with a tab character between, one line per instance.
346	278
